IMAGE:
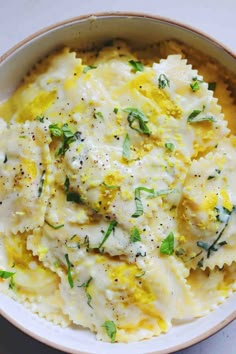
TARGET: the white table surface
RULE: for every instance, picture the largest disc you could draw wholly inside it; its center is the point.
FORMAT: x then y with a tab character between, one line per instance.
19	18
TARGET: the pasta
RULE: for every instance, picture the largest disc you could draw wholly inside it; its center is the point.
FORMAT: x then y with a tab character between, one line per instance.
117	195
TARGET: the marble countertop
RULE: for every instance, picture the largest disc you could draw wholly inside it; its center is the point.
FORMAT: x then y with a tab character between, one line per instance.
20	18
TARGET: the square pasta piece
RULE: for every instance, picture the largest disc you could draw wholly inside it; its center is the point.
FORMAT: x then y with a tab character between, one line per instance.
24	176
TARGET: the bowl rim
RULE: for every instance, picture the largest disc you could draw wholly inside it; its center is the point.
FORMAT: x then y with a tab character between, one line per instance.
231	317
70	20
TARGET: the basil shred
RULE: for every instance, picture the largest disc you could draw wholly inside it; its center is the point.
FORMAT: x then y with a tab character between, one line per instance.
137	120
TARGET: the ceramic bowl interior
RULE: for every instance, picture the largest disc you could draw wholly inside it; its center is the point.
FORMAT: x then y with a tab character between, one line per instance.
86	33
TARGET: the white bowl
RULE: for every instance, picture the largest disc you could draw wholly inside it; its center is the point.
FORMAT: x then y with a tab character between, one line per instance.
86	32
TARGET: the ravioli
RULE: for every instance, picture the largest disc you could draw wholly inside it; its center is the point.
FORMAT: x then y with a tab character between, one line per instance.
207	209
117	195
25	176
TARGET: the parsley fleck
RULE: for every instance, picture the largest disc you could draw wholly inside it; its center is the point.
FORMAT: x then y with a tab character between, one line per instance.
5	159
224	217
67	184
55	227
111	228
135	235
136	65
69	276
138	202
137	120
140	275
167	245
223	214
192	117
152	194
74	197
179	252
55	130
110	328
110	186
85	285
40	118
98	115
115	110
68	137
212	86
6	275
195	85
163	81
71	196
126	147
41	183
88	67
170	146
203	245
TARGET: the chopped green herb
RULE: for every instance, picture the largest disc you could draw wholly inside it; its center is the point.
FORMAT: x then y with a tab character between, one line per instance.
140	275
56	264
167	245
195	85
71	196
98	115
223	214
115	110
140	254
138	118
194	114
126	148
55	227
85	285
212	176
55	130
110	328
110	186
203	245
6	275
200	263
138	202
212	86
12	283
5	158
69	276
88	67
67	184
152	194
192	117
74	197
170	146
202	119
85	243
135	235
163	81
41	183
111	228
22	137
40	118
161	192
66	133
136	65
179	252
